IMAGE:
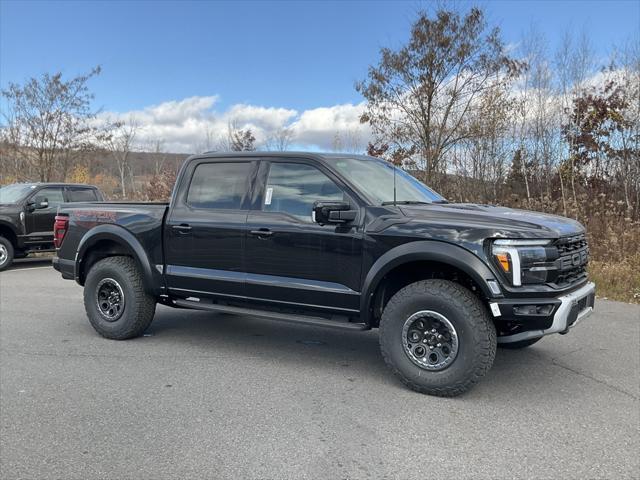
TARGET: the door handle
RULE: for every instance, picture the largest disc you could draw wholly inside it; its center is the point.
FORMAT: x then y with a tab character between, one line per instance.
262	232
182	228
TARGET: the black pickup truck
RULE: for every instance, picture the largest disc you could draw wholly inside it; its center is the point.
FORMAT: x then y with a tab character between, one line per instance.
27	211
339	241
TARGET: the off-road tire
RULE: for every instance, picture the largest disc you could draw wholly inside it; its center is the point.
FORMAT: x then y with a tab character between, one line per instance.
139	306
475	330
520	344
7	248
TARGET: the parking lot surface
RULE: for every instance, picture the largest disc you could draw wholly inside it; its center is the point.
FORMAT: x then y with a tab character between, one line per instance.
205	395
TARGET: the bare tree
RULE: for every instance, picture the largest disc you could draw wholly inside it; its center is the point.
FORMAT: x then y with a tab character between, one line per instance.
238	139
348	141
419	96
48	119
120	142
209	142
12	164
160	156
279	140
481	161
536	106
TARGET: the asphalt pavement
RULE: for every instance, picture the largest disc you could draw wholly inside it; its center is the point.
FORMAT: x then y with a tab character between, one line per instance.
206	395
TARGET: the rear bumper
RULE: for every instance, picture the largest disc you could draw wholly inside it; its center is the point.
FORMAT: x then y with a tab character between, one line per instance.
66	267
568	310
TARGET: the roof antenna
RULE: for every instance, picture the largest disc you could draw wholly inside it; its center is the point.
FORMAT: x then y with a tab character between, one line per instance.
394	185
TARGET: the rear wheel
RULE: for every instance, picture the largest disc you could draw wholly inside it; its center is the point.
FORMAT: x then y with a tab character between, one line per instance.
115	300
437	337
6	253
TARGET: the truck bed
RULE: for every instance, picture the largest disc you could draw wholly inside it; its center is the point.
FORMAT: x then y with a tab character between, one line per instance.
142	220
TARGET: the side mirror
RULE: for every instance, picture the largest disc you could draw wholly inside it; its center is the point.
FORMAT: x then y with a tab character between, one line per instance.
41	202
333	212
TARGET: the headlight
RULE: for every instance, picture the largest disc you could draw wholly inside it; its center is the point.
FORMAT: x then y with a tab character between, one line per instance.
525	261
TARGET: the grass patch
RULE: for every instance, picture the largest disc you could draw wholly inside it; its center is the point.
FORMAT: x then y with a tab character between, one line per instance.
617	279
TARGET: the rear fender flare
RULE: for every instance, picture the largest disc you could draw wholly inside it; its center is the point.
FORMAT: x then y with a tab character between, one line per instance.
427	250
125	238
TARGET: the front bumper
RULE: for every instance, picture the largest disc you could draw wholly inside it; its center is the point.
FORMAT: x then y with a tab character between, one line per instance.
568	311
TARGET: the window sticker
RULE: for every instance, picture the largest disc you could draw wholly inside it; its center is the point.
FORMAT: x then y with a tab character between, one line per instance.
267	197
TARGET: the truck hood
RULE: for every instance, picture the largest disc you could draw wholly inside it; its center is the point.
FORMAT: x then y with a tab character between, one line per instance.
504	221
9	208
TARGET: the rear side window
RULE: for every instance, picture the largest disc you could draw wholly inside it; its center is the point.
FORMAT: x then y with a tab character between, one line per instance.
293	188
81	195
219	185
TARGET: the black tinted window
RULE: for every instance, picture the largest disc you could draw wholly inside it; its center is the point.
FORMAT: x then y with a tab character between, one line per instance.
52	195
81	195
219	185
293	188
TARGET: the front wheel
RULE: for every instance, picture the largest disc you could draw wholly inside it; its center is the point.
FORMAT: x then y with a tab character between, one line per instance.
437	337
6	253
115	300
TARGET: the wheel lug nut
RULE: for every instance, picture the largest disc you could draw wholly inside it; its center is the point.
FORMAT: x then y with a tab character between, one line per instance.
439	345
430	347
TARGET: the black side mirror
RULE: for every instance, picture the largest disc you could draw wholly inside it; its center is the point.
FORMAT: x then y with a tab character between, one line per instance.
333	212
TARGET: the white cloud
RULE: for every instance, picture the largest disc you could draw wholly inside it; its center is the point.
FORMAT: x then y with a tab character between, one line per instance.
318	127
175	112
193	124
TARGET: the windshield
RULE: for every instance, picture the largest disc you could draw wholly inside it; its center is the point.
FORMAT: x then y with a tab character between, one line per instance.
374	178
14	193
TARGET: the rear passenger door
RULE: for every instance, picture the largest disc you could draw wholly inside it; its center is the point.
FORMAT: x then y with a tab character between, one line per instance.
205	230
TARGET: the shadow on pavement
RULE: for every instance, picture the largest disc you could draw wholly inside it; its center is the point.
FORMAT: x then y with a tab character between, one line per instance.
26	263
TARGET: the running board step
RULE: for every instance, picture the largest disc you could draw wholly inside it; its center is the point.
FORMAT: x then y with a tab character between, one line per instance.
282	317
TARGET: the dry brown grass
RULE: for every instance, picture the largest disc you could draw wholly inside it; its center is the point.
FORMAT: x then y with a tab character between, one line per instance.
617	279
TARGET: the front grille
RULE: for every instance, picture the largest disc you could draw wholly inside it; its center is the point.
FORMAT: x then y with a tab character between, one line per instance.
571	244
569	277
573	261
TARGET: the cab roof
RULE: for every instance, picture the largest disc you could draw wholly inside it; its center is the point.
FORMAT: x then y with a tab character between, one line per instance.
288	154
54	184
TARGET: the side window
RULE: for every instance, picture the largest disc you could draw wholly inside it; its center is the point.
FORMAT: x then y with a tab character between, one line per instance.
81	194
219	185
293	188
53	196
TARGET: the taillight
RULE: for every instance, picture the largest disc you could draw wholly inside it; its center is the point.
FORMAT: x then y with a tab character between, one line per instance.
60	229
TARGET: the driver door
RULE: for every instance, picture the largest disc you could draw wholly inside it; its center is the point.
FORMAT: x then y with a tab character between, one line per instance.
290	259
39	221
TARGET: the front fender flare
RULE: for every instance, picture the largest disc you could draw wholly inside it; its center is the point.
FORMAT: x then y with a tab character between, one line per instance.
6	222
425	250
123	237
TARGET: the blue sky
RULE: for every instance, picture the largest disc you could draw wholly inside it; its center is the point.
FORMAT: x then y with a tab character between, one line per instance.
288	55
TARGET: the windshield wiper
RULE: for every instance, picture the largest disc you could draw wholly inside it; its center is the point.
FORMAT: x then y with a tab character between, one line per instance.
406	202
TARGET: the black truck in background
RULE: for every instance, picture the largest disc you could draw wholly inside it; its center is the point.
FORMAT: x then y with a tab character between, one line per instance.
339	241
27	212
